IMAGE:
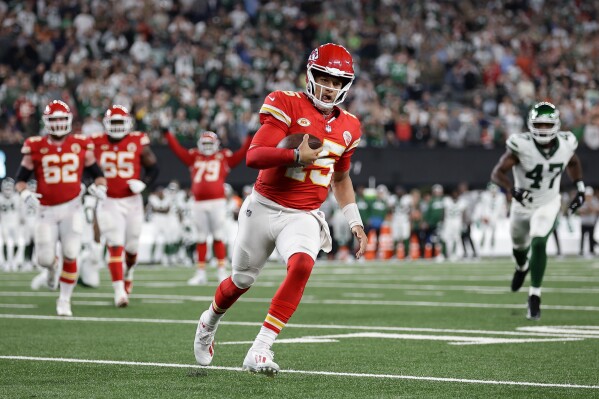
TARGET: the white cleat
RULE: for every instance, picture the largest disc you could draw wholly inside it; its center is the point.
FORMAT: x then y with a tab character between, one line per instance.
260	361
47	278
203	344
221	273
63	308
121	300
199	278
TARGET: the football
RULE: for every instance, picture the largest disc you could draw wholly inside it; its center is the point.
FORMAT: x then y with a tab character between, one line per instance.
294	140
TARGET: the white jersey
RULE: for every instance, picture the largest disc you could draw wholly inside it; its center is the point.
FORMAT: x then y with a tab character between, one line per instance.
10	208
453	211
491	207
540	171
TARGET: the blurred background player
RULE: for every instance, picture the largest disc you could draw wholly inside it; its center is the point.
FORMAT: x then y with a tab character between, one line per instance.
283	210
57	161
453	222
91	258
470	198
29	215
588	213
209	166
11	227
122	154
491	208
537	159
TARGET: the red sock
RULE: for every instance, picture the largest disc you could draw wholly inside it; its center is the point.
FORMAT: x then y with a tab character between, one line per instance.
115	262
226	295
69	271
290	292
201	248
130	259
220	252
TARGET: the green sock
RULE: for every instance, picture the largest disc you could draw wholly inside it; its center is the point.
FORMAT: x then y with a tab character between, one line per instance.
521	256
538	260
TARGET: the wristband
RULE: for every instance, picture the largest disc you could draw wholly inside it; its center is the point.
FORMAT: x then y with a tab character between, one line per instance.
580	186
352	215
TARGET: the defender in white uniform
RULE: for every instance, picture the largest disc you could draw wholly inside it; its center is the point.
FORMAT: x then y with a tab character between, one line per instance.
537	160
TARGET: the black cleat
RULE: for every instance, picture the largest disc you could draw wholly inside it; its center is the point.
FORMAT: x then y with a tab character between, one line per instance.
534	308
518	279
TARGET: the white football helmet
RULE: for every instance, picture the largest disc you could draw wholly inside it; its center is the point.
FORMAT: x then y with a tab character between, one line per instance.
543	113
8	186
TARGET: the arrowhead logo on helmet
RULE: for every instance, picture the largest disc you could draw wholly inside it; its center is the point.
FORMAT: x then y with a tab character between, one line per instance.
334	60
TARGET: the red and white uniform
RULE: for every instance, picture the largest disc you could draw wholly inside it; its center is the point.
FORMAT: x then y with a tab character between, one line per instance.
208	176
58	168
282	211
306	188
120	216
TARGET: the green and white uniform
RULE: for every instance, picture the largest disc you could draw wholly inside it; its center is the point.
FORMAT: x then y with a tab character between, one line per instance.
539	171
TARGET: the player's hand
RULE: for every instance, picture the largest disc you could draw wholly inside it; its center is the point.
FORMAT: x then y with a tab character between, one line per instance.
576	202
98	191
307	155
358	232
136	186
30	198
521	195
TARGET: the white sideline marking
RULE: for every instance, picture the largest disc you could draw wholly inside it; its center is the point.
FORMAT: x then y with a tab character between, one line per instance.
572	333
307	372
93	303
451	339
17	306
343	302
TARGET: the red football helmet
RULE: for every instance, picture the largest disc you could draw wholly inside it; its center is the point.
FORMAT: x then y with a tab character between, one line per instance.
208	143
117	122
334	60
57	118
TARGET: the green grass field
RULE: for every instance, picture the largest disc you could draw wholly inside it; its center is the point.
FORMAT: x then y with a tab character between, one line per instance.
363	330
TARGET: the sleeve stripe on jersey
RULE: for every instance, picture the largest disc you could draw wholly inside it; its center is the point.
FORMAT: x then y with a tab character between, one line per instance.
277	113
354	145
512	146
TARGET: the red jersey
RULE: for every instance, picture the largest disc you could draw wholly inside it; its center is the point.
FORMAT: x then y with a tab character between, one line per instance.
208	172
120	160
307	187
58	167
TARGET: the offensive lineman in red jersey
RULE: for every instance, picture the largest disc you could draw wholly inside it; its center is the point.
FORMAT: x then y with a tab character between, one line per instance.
57	162
209	167
282	212
122	154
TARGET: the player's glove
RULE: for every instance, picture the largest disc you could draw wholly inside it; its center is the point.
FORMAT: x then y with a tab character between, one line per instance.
578	199
521	195
98	191
30	198
136	186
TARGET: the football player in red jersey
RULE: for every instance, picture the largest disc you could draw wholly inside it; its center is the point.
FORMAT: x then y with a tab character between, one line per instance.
57	161
209	166
282	212
122	154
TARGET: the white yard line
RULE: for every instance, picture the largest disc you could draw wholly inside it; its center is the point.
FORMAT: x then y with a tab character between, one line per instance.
308	301
17	306
559	331
306	372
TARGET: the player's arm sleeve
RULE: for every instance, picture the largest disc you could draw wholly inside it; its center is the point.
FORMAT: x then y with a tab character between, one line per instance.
23	173
263	152
238	156
181	152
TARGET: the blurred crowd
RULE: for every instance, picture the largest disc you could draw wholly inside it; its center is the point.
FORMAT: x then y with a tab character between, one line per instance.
429	73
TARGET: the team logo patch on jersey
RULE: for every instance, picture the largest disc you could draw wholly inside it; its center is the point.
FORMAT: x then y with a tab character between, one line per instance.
347	137
105	147
44	150
76	148
131	147
303	122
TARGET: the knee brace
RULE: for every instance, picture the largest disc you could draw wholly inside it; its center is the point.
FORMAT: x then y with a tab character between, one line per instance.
242	281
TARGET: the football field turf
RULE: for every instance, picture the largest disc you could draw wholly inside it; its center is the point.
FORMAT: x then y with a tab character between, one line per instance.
363	330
